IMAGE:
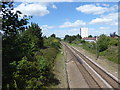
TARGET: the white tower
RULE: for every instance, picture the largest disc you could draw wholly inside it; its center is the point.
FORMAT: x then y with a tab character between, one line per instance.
84	32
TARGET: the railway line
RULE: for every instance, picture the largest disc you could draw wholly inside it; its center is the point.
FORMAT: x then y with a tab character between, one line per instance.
94	75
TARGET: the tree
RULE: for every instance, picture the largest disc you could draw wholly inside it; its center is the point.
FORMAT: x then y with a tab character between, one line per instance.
66	36
35	30
12	26
70	39
113	34
95	36
90	36
0	33
53	35
22	66
31	74
79	36
103	43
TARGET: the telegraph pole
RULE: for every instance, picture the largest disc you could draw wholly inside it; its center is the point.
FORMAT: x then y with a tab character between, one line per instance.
97	52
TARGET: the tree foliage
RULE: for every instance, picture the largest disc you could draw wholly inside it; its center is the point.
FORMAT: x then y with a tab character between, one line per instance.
35	30
90	36
24	65
113	34
52	42
53	35
31	74
103	42
70	39
12	26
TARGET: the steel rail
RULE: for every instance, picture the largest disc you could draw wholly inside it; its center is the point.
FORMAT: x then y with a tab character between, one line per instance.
106	76
87	76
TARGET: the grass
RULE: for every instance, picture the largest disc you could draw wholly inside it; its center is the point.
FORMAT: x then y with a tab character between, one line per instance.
59	70
110	54
84	47
74	45
50	54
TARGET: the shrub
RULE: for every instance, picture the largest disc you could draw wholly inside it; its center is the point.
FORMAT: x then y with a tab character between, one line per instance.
52	42
103	43
32	74
113	41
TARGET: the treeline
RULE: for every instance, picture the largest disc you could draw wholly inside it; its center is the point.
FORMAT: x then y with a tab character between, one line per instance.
75	38
70	39
103	43
108	47
104	46
27	57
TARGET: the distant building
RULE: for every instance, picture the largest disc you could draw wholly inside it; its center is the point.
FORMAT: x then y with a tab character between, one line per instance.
84	32
92	39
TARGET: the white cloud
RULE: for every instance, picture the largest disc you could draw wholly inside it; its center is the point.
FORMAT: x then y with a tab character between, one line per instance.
110	19
100	21
38	9
44	0
98	4
62	33
47	30
96	9
77	23
67	0
46	27
91	29
113	8
104	28
53	6
92	9
115	23
106	5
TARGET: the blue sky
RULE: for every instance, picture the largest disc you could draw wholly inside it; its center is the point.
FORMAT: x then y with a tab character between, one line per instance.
63	18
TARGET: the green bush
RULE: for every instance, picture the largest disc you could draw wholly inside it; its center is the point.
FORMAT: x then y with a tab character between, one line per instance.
52	42
32	74
70	39
107	46
103	43
113	41
82	41
22	68
91	47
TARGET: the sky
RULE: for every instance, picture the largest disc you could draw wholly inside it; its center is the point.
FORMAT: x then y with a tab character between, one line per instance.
66	18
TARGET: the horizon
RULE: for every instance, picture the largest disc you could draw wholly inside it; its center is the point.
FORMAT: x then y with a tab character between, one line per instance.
66	18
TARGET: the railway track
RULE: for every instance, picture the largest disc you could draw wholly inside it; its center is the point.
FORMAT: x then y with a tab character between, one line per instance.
87	76
106	79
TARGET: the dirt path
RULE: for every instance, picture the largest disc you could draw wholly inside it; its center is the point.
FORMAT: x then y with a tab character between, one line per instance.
59	70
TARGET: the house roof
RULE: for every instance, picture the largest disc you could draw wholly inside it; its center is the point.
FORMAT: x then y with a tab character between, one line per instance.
90	38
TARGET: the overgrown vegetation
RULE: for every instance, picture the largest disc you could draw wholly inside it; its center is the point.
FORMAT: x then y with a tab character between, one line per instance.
74	38
105	46
28	57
